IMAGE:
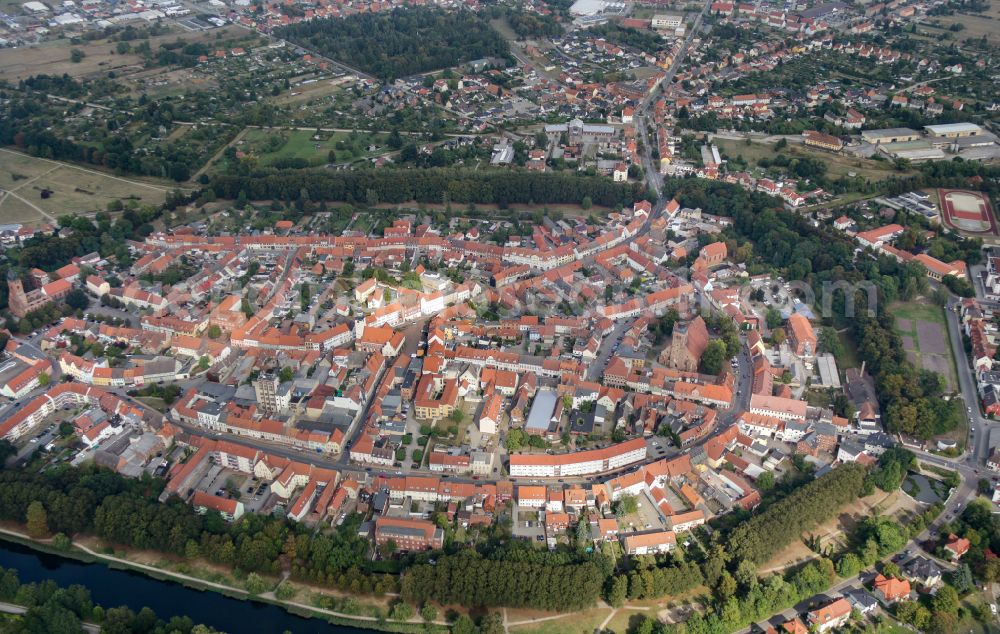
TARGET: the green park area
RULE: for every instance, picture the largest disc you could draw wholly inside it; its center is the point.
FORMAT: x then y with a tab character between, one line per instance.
304	148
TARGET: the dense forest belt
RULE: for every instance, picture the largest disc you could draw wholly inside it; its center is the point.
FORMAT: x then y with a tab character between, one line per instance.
428	185
472	580
400	42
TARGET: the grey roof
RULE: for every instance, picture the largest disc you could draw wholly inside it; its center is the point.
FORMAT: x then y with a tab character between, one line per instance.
947	128
212	408
218	391
541	410
11	368
921	567
861	598
879	439
825	429
850	447
796	425
827	367
889	132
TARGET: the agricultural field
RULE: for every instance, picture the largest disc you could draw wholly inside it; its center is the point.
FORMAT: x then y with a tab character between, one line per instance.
99	57
973	27
53	58
24	181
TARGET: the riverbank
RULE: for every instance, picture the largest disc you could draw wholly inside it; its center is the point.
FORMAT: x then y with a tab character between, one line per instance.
86	555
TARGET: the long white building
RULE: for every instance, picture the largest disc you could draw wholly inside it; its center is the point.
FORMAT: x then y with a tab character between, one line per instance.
579	463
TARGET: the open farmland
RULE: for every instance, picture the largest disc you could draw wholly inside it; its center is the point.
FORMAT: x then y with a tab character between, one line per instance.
71	189
973	27
53	57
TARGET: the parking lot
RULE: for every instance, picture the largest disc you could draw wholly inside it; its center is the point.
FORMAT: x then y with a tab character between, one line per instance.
646	518
527	525
659	447
253	493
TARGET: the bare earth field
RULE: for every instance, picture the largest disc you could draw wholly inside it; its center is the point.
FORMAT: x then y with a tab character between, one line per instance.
73	189
318	90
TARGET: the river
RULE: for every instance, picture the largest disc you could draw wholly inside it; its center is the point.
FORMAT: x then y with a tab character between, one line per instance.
112	587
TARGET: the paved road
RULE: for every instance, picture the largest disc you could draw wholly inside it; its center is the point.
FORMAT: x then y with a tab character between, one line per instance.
653	177
596	369
744	387
980	428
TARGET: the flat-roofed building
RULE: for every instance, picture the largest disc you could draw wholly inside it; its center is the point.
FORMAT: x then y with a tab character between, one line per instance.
889	135
952	130
666	21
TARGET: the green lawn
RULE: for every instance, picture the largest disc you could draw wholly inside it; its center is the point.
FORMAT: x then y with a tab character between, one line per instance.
277	145
918	311
850	357
154	402
584	622
837	165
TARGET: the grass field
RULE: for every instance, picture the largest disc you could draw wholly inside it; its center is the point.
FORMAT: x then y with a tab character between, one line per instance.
837	165
922	326
627	620
917	311
975	26
72	189
585	622
301	144
850	357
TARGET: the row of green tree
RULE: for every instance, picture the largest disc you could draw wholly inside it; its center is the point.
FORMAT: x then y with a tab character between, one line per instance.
467	578
429	186
70	501
768	532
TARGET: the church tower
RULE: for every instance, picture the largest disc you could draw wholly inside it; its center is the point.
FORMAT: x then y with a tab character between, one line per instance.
16	299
